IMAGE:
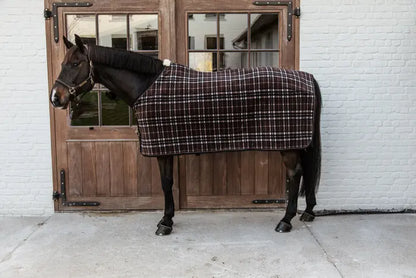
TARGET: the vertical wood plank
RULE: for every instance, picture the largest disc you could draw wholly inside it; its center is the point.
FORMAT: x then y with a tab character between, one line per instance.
247	172
74	187
192	175
220	174
116	169
275	173
206	174
156	179
130	168
102	162
261	172
233	173
89	180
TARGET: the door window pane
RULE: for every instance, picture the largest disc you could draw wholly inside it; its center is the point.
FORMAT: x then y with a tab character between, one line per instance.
264	59
143	32
86	112
264	31
114	112
203	61
232	60
83	26
201	29
243	40
112	31
233	29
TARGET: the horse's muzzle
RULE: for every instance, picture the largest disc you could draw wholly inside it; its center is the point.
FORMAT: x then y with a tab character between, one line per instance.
57	98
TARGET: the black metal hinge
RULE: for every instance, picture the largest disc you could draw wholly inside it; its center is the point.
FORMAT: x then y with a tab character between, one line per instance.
290	12
54	13
47	13
62	195
296	12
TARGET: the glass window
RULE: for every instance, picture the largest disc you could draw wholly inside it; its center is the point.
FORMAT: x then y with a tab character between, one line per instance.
137	32
114	112
233	30
264	31
232	60
202	61
85	113
202	28
245	40
112	31
143	32
259	59
83	26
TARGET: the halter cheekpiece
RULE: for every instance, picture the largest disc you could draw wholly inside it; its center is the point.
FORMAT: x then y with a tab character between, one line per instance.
72	89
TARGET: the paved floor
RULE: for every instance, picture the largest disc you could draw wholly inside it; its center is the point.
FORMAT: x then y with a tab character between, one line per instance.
207	244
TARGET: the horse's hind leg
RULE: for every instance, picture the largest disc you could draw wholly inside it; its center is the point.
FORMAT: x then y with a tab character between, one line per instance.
292	161
308	215
164	227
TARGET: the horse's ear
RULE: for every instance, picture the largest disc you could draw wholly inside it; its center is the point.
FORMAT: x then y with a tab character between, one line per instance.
67	43
79	43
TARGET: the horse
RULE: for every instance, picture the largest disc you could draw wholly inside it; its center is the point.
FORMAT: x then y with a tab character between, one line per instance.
128	75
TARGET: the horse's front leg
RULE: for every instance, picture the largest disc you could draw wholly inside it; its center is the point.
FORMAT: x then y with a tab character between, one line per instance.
164	227
292	161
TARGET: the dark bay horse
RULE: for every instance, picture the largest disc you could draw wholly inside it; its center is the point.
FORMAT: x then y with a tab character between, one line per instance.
128	75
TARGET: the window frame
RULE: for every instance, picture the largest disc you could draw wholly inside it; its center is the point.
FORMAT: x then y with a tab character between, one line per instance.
98	88
219	50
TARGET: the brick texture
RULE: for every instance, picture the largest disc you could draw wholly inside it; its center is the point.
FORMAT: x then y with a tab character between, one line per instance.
363	53
25	145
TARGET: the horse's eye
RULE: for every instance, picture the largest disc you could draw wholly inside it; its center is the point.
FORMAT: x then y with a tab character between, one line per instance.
75	64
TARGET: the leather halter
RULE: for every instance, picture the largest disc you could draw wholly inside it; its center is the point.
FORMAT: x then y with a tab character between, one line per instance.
73	89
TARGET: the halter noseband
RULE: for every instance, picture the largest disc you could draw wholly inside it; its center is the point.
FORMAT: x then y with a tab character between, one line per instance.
72	89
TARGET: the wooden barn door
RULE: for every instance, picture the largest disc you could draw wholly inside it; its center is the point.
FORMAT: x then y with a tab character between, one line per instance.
96	154
215	35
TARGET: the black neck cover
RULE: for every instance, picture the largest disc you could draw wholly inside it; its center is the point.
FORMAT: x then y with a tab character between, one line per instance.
123	59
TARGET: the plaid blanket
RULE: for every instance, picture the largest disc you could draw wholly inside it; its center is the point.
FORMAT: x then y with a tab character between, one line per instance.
185	111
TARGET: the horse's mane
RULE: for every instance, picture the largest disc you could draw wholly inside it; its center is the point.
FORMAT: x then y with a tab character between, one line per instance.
123	59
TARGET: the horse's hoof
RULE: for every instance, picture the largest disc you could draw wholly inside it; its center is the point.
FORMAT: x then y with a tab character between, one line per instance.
307	217
163	230
283	227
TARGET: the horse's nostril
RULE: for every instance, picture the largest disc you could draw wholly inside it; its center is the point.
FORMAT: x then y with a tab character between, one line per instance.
55	101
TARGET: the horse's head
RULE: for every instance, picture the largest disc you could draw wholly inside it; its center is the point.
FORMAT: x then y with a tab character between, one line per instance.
75	77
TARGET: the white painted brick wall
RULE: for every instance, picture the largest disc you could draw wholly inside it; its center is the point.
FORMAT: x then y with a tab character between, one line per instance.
363	53
25	159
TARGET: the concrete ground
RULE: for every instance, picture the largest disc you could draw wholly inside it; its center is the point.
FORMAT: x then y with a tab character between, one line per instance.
207	244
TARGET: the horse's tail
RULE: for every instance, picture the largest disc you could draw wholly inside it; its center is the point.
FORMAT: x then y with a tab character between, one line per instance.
311	156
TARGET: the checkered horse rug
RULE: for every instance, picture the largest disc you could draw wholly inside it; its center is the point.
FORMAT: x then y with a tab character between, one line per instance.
186	111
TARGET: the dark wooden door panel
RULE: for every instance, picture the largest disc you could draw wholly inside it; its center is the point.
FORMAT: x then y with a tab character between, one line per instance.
109	171
234	179
231	180
103	163
106	171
